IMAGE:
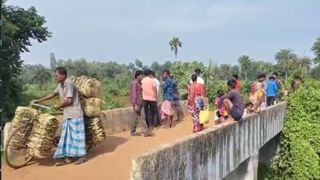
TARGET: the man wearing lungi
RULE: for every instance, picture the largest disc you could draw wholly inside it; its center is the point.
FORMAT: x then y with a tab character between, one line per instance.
72	144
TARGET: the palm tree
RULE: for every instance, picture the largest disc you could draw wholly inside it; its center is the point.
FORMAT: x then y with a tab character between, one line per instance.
316	50
175	43
286	60
245	64
304	64
41	76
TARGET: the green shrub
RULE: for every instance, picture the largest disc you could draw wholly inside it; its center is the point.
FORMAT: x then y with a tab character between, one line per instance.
110	103
299	155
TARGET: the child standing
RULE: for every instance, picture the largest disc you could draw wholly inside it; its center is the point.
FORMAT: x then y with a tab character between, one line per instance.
221	114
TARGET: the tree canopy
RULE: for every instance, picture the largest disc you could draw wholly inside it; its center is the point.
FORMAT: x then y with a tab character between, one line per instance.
19	27
175	43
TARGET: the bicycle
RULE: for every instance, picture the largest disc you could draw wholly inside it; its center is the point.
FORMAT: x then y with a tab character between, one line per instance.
16	151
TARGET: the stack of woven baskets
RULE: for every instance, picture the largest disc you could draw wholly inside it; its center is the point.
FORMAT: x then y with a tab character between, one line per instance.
43	134
23	116
37	135
89	89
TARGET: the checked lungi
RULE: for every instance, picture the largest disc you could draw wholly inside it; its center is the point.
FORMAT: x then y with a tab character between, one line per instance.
72	141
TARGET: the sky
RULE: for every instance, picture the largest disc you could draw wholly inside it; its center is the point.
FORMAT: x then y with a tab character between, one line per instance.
125	30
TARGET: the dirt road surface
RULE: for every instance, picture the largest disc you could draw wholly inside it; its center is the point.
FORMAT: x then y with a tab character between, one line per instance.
111	160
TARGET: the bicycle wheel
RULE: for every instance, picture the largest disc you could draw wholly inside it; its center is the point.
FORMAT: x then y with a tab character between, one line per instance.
16	151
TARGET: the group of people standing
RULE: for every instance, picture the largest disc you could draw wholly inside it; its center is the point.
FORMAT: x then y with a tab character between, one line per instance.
145	94
264	92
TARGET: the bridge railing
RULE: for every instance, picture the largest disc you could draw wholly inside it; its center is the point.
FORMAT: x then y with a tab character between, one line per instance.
212	153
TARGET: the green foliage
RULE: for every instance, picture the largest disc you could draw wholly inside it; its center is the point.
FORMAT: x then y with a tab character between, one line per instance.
299	155
182	74
286	60
19	27
110	102
316	50
213	88
42	76
245	62
315	72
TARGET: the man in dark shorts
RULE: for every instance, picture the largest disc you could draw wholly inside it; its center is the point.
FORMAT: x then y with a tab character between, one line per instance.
232	101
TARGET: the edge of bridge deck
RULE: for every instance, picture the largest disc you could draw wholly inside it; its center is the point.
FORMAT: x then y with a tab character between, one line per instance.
246	137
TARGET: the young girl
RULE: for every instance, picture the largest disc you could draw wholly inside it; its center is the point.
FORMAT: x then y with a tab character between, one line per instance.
249	109
220	112
195	102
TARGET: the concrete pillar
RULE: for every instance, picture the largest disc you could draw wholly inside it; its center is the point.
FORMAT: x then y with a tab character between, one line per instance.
252	169
247	170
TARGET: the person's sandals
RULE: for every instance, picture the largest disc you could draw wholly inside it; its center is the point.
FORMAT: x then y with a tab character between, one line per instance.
81	160
64	162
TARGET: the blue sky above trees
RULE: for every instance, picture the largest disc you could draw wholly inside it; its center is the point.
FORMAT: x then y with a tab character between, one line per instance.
124	30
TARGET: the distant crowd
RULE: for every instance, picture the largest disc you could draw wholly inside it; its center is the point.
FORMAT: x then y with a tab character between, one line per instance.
145	91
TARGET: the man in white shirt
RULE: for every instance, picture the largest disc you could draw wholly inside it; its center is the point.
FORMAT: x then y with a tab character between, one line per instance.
157	83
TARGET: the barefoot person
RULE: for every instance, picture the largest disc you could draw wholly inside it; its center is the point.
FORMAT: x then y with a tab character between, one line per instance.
232	101
72	144
195	102
166	107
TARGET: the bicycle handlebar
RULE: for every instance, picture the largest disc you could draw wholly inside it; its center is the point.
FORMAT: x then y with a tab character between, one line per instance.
40	105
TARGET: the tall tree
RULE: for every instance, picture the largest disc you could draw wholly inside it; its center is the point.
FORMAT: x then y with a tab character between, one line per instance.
41	76
235	69
139	63
304	64
245	63
167	65
226	69
132	67
286	60
315	72
19	26
316	50
53	62
175	43
156	67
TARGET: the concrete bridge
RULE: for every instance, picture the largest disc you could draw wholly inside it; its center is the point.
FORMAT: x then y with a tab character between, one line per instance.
226	151
229	152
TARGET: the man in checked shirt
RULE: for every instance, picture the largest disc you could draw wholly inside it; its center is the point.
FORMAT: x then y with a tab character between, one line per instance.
136	101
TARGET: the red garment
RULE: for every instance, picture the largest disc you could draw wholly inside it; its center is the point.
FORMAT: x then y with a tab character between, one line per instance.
194	90
238	85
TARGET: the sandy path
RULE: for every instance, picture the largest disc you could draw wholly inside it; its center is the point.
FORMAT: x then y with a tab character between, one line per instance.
111	160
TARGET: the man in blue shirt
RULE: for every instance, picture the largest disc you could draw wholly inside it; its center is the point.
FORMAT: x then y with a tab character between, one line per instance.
271	90
168	97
